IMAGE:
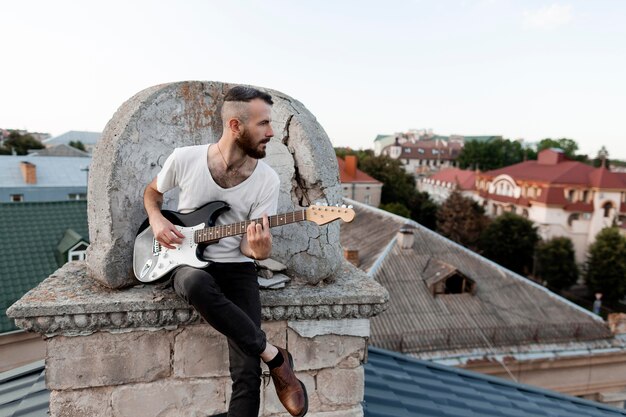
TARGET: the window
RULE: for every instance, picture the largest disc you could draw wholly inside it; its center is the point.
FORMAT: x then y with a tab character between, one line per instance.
77	196
570	195
525	213
585	196
607	208
16	198
420	150
572	217
366	200
407	150
77	253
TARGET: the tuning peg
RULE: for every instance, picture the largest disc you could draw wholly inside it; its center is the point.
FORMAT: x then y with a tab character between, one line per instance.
343	206
318	203
350	206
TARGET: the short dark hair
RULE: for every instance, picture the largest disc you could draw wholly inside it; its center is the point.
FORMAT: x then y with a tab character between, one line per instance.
246	94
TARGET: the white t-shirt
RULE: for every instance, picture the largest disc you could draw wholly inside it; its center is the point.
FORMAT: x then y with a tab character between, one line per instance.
187	169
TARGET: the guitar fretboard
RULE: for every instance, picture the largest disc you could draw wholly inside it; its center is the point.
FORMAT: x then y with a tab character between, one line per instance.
209	234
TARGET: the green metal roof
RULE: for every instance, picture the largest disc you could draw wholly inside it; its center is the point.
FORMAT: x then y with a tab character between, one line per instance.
31	233
481	138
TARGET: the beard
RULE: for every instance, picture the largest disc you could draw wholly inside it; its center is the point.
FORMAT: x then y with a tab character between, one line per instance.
246	144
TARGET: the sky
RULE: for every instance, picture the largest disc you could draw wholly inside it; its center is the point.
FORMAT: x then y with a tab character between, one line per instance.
522	69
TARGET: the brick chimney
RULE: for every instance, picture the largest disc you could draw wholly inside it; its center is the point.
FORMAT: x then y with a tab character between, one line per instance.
29	172
351	165
617	323
352	256
552	156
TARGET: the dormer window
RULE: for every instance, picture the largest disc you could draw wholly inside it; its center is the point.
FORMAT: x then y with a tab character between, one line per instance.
445	279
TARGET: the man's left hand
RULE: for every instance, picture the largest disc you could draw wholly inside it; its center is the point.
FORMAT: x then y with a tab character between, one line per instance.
260	239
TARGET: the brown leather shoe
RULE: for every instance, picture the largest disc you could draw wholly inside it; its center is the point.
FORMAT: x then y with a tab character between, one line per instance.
291	391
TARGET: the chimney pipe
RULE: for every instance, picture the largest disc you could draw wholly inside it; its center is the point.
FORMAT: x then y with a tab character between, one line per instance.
405	237
29	172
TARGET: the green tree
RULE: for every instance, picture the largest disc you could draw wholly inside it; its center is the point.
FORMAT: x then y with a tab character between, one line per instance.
20	144
568	146
556	262
606	265
423	209
462	220
510	241
493	154
396	208
78	145
398	186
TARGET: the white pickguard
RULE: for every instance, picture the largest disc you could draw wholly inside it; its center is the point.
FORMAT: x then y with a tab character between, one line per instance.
153	261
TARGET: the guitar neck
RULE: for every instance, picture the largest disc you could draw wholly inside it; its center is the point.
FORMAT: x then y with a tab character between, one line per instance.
210	234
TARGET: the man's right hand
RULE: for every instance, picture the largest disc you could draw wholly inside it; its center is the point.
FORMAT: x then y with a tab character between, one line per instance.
165	232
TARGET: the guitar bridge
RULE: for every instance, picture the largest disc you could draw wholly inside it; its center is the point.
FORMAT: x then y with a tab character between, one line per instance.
156	247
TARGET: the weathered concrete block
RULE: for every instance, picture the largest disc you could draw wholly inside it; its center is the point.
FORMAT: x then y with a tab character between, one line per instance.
349	412
341	386
103	359
171	398
325	351
276	332
94	402
200	351
145	130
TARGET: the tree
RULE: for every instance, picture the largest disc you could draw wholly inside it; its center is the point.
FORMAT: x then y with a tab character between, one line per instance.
398	186
20	144
396	208
556	262
606	265
78	145
423	209
493	154
462	220
568	146
510	241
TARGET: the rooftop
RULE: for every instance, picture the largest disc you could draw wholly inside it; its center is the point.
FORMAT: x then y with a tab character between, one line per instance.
28	257
52	171
505	309
87	138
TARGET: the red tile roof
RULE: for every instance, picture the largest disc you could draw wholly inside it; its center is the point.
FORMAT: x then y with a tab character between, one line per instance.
346	176
464	178
561	172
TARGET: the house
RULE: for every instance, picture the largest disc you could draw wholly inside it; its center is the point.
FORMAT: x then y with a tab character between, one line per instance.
452	306
89	139
31	178
563	197
424	156
442	183
356	184
42	236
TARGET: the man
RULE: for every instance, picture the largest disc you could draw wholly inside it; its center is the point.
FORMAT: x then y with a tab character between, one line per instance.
226	292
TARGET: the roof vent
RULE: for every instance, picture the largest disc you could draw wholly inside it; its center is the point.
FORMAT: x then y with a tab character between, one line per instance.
406	237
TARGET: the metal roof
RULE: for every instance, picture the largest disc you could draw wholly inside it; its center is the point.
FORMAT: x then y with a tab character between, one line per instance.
399	386
505	309
52	171
87	138
23	392
28	256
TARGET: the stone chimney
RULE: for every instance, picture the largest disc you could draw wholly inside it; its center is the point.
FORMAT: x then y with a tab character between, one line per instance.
405	237
351	165
29	172
352	256
116	348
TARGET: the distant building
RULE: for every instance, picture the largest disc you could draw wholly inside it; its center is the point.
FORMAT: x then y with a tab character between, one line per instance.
356	184
59	150
442	183
423	152
563	197
28	178
89	139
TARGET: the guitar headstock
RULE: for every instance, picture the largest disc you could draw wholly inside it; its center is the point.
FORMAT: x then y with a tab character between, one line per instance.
325	214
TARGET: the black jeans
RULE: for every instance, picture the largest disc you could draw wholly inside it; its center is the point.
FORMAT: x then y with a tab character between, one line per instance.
226	295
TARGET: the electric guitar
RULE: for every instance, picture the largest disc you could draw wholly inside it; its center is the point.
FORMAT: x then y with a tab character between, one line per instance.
152	261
